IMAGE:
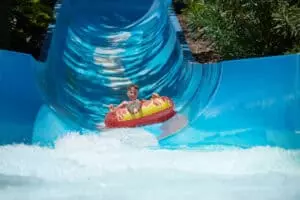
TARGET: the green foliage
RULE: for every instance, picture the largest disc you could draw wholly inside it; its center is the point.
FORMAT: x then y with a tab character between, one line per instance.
186	2
246	28
28	22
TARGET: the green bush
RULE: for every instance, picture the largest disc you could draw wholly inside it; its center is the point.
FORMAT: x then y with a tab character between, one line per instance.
27	25
243	28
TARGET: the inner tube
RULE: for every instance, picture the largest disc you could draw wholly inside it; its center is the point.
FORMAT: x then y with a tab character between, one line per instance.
155	110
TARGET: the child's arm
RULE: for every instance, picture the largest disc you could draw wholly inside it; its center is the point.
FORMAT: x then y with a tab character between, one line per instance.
122	105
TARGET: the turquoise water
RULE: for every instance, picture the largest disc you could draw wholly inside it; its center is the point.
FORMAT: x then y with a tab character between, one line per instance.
90	59
126	164
100	47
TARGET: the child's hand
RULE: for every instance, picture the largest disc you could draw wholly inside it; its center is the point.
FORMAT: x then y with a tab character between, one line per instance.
111	108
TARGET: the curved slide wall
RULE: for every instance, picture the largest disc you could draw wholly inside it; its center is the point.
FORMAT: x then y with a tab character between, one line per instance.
242	102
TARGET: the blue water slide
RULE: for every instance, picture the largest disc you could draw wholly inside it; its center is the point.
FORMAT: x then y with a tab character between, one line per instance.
97	48
20	100
256	103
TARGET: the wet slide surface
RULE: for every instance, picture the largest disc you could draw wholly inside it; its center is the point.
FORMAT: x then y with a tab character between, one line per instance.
242	135
95	55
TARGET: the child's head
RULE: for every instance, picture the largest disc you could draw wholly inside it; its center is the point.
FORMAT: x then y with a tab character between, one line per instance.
132	92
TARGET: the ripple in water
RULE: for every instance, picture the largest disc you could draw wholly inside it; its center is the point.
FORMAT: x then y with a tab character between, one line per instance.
126	165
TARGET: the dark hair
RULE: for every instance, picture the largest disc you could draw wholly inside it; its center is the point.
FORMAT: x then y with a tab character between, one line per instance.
133	86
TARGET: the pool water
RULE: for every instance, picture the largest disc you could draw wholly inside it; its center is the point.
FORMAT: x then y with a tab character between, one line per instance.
126	165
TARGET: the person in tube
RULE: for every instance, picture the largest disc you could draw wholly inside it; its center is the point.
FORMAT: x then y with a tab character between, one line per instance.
134	104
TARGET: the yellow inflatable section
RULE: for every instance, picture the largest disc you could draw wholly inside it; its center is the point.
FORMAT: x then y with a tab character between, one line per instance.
149	107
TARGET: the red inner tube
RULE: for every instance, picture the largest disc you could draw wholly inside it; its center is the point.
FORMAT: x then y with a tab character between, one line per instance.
111	120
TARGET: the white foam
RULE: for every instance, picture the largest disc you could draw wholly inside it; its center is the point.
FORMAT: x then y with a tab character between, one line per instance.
120	165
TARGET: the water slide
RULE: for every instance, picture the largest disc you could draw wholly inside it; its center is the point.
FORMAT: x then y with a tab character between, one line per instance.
100	47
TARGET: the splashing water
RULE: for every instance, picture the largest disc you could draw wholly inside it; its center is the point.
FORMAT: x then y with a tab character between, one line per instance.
126	165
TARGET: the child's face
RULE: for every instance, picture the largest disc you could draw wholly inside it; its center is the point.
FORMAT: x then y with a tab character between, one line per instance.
132	93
